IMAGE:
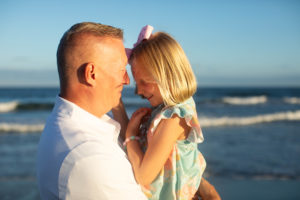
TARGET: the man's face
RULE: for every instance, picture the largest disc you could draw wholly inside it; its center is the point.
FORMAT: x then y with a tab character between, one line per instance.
111	63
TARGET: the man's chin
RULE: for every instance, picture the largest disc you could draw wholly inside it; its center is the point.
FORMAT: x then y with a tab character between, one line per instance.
117	102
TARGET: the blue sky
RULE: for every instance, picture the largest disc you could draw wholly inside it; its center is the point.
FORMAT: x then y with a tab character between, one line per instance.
229	43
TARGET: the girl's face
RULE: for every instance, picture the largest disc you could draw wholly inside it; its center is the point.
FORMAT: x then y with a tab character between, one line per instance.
145	84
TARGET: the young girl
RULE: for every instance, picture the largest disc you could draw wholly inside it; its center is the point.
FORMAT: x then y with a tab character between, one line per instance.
165	157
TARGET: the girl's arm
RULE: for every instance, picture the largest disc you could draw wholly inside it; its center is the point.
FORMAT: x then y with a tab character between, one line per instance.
146	167
120	116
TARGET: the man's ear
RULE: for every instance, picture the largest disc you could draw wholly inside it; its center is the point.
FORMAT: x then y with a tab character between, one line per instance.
90	74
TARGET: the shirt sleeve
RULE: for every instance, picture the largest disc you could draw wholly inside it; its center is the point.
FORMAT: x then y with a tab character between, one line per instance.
102	177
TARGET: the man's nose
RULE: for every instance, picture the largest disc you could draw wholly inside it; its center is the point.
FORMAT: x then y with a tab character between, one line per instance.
126	79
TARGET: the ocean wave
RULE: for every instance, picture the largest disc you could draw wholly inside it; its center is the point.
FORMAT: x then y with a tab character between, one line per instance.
21	128
16	105
8	106
245	100
243	121
205	122
292	100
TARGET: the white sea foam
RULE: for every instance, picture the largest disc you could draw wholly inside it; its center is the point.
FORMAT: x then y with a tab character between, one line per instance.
205	122
242	121
21	128
245	100
292	100
8	106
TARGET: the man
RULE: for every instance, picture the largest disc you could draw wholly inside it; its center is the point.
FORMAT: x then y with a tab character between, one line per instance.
79	156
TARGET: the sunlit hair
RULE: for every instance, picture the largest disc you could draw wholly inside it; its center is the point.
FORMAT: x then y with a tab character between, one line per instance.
66	45
166	61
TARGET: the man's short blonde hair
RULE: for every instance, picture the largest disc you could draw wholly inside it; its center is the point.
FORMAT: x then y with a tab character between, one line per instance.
166	61
69	38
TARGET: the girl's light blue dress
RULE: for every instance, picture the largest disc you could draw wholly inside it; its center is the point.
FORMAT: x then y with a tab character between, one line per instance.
182	173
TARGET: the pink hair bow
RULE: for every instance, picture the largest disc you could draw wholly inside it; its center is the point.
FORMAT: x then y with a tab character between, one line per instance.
144	35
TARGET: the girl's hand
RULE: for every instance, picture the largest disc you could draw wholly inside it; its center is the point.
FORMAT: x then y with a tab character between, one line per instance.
135	121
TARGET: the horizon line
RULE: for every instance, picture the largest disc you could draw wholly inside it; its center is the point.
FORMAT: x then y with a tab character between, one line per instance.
132	86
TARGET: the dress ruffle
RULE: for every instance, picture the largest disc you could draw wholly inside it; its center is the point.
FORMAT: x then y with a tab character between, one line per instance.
184	110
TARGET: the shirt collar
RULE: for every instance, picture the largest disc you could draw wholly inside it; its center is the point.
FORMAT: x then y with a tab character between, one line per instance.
105	125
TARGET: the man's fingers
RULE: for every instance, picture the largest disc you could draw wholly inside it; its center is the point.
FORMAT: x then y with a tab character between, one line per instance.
140	113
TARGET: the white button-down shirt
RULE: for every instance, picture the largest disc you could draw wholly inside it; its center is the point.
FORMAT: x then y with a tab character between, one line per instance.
79	157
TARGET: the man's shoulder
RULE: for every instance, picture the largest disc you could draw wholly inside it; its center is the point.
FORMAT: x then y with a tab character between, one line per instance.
88	148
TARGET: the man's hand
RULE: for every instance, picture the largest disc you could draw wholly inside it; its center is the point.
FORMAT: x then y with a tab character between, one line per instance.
206	191
135	121
120	116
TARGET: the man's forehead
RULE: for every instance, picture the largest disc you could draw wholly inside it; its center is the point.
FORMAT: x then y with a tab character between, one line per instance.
110	45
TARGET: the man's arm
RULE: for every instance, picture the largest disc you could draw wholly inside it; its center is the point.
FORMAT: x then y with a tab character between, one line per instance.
207	191
120	116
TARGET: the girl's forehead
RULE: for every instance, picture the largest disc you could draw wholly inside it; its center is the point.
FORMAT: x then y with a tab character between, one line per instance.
141	73
137	69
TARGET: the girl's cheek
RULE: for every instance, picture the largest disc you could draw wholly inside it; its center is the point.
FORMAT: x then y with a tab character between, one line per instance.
148	87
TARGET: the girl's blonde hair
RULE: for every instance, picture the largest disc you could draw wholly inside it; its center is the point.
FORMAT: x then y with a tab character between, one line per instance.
166	61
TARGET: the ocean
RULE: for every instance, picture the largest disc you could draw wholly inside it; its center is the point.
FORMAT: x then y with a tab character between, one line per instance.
250	134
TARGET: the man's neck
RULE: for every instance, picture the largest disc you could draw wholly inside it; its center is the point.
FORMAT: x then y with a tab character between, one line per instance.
85	101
